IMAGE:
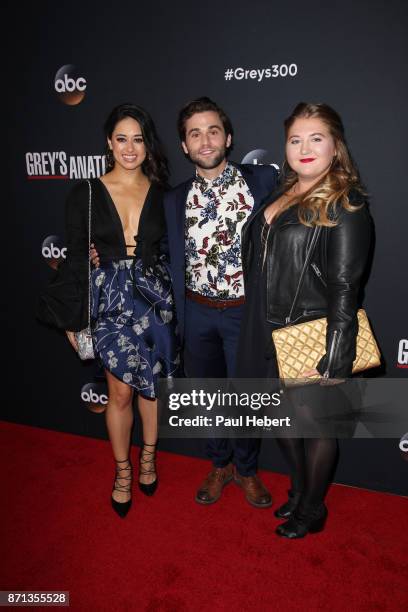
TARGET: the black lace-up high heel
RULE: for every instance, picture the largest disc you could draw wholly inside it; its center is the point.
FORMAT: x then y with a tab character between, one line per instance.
122	508
148	456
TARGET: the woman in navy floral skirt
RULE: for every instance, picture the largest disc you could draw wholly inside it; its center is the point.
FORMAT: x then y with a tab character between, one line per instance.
133	319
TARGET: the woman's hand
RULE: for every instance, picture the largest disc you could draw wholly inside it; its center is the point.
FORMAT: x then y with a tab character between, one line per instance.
93	254
72	340
310	373
322	380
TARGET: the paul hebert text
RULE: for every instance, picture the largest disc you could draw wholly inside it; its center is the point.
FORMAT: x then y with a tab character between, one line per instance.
221	421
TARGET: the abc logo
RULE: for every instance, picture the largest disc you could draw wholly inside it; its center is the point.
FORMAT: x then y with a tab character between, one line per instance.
403	446
258	156
403	354
69	86
95	396
53	251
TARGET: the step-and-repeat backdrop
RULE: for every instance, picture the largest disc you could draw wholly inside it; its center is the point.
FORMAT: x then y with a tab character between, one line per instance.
257	60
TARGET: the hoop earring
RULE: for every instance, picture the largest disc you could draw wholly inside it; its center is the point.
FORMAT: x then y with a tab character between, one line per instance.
110	162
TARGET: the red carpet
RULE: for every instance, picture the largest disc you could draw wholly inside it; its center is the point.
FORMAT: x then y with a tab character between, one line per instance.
172	555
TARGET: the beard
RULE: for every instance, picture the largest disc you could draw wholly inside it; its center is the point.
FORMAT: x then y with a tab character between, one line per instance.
208	164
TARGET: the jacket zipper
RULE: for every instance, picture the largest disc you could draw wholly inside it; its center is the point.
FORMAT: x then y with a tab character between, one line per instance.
318	274
336	335
314	239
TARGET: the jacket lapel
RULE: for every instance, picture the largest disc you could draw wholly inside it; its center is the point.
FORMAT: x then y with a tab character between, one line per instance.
253	184
287	217
180	212
175	210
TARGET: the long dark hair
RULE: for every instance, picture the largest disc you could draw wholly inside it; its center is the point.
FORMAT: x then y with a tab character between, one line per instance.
155	166
341	178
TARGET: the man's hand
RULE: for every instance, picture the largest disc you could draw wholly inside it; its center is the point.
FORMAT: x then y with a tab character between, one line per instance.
93	254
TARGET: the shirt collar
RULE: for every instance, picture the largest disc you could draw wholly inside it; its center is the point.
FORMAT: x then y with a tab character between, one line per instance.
226	176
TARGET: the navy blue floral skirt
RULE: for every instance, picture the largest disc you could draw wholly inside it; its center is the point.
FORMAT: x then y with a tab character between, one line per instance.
133	323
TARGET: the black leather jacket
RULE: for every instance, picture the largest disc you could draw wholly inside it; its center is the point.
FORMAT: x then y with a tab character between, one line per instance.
331	283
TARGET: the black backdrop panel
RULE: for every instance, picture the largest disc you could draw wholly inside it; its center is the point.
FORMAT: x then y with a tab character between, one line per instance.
160	55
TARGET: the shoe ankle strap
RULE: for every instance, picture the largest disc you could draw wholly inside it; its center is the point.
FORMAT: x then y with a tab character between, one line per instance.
127	486
146	450
123	469
147	456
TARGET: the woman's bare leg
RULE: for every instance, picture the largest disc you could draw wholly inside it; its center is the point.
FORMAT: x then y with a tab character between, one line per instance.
148	414
119	421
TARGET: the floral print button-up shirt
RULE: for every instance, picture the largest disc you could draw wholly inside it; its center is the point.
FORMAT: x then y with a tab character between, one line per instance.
215	213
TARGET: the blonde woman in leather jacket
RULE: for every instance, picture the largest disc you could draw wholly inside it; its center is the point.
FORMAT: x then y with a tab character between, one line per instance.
320	187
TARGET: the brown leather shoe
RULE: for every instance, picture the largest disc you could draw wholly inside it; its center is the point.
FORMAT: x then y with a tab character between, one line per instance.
211	489
255	491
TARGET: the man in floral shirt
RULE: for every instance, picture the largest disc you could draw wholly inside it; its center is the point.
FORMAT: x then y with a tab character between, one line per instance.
204	218
215	213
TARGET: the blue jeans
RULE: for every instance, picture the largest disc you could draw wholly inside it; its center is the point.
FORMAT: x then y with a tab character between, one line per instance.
211	344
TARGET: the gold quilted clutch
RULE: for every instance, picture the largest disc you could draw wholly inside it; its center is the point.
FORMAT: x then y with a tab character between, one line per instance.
300	347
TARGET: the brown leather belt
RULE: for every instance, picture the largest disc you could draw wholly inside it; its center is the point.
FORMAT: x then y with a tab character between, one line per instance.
213	302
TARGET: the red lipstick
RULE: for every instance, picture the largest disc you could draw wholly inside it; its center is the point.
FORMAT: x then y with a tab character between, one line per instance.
307	160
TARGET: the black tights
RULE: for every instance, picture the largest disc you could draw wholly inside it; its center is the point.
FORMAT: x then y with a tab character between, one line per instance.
311	463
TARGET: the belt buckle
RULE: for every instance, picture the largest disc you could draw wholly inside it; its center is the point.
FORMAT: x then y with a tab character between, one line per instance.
226	303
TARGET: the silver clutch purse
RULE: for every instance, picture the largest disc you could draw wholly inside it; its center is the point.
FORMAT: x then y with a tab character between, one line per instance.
84	337
85	344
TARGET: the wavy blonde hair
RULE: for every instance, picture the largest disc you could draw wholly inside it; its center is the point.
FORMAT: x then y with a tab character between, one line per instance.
318	203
